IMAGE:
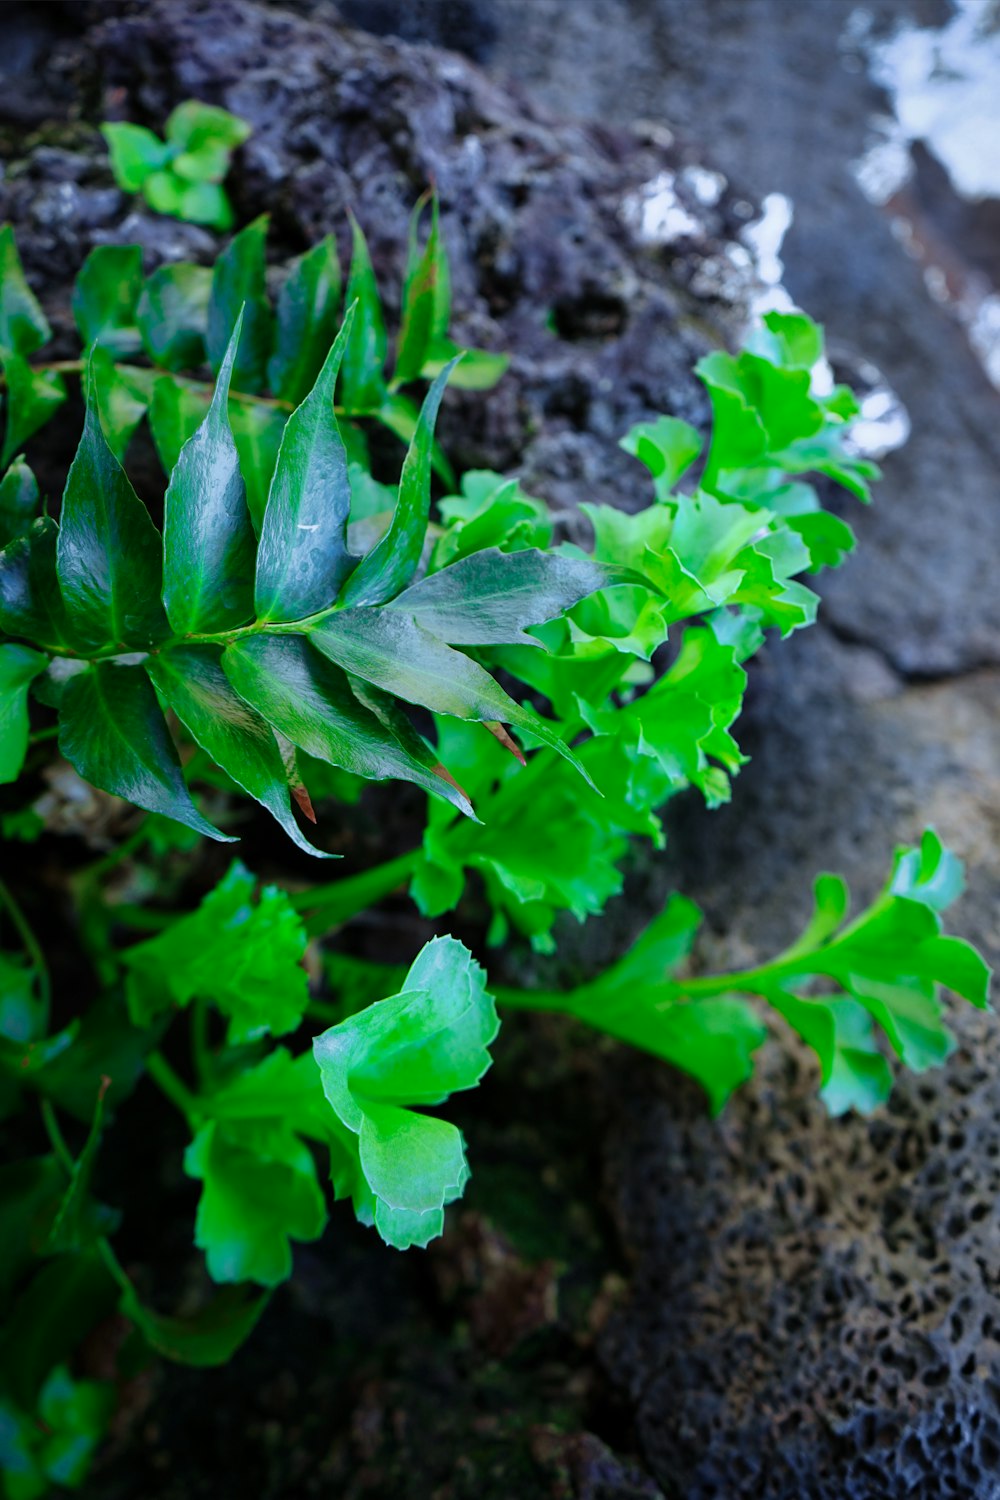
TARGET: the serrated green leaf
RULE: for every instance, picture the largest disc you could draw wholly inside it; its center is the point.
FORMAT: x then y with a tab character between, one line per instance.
172	316
362	383
18	502
310	702
113	733
30	602
108	553
19	666
242	955
135	153
208	539
391	650
23	326
416	1048
240	742
306	321
391	564
32	397
105	297
420	299
238	281
303	558
489	597
667	447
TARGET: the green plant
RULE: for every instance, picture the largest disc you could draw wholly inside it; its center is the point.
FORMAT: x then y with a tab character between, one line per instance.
183	174
297	629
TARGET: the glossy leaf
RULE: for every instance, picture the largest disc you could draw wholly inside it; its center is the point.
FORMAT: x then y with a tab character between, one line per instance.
362	384
172	316
113	732
208	539
30	602
310	702
391	564
105	297
391	650
19	666
32	397
306	323
175	414
258	431
303	558
18	502
108	553
238	281
191	680
23	326
489	597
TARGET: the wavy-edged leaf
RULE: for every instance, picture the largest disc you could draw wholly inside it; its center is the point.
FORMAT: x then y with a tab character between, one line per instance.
108	554
392	562
489	597
303	558
135	153
19	666
111	730
391	650
362	383
192	681
667	447
23	326
208	539
172	315
18	502
310	702
238	281
31	604
105	297
416	1048
32	397
306	323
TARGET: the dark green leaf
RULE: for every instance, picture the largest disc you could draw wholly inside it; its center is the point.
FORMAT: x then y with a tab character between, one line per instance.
106	1046
79	1220
105	297
18	502
113	732
208	539
258	431
489	597
391	650
135	153
193	683
362	385
391	564
306	322
19	666
420	295
30	602
309	700
172	316
303	558
109	553
206	1338
30	1192
23	326
238	281
32	397
176	411
122	394
66	1299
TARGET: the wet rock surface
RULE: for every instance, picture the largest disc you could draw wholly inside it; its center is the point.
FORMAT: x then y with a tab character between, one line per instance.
812	1308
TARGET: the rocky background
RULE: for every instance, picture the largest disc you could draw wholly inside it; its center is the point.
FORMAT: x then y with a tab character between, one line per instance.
634	1301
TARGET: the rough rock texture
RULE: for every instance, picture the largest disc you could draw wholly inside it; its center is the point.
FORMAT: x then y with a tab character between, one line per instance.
813	1306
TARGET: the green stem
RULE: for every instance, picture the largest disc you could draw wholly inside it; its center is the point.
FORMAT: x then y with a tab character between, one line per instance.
56	1138
31	946
327	906
518	999
173	1087
41	735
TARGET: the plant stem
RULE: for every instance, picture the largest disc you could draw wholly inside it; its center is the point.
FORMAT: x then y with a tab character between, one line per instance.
328	906
173	1086
56	1137
31	945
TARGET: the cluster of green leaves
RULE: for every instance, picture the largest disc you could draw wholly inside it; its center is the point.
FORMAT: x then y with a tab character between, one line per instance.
148	340
183	174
